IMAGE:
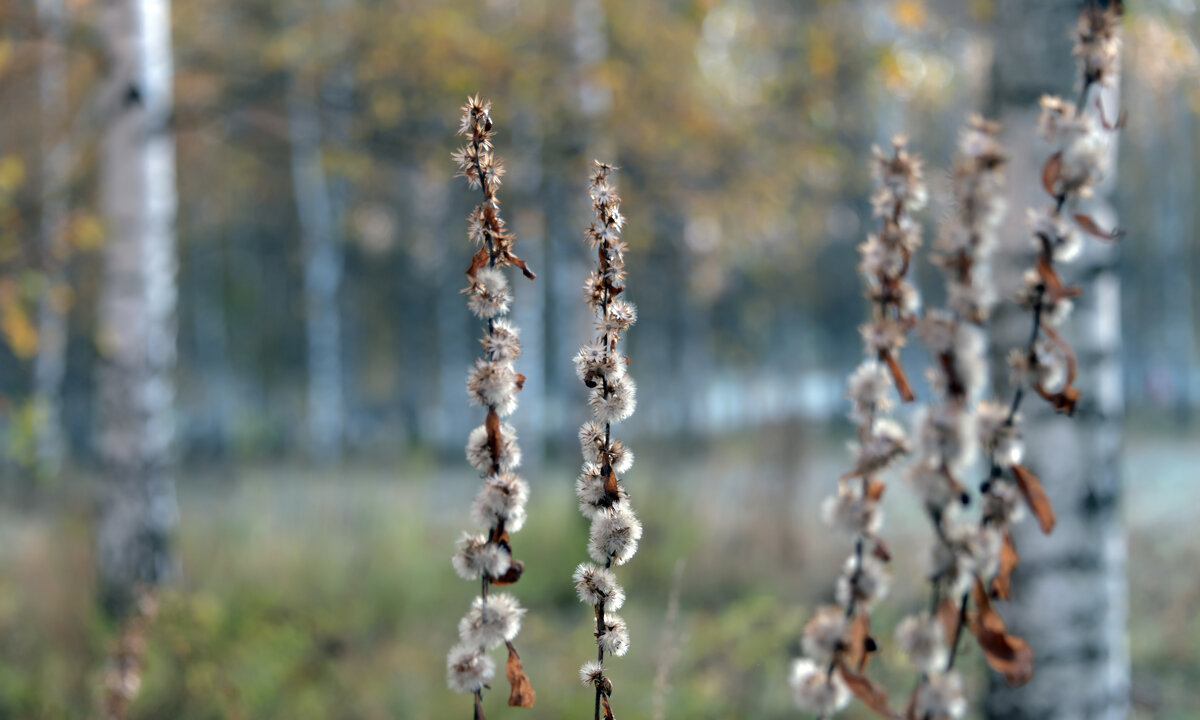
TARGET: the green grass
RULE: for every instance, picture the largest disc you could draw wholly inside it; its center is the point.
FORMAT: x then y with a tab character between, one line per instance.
308	596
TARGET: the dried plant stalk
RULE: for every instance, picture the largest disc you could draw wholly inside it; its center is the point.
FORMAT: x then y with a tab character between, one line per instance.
499	508
615	529
975	562
837	641
950	430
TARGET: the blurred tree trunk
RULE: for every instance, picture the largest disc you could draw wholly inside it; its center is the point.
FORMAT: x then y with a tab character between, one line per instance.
1070	591
49	365
137	301
322	273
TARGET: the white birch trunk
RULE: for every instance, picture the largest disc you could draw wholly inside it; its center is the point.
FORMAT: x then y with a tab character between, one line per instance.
137	302
322	274
1070	590
50	363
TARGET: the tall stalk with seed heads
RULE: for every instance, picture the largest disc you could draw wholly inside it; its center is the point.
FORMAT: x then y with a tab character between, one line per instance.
615	530
486	556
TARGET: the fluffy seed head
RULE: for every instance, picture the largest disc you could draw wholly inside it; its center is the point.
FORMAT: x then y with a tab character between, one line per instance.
468	668
863	581
614	535
597	585
825	633
493	384
488	294
501	499
591	674
941	697
479	454
815	690
615	639
502	343
477	557
617	403
491	622
923	638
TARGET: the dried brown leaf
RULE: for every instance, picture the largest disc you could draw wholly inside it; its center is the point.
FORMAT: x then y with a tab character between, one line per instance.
1050	173
1007	654
856	639
1002	583
868	692
478	260
1089	226
947	614
522	694
512	575
1035	497
612	490
608	713
875	490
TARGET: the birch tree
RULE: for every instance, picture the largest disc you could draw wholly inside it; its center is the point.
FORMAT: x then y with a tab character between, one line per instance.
137	302
49	364
322	272
1070	591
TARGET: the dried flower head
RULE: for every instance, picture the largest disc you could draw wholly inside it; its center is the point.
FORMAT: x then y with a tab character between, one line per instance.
477	557
491	622
501	502
825	633
816	690
941	697
923	639
614	535
468	668
597	585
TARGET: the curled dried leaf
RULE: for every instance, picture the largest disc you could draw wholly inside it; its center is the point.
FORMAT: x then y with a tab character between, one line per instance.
478	260
948	612
1031	489
1050	173
1002	583
608	713
856	639
868	692
1091	227
522	694
612	489
512	575
1005	653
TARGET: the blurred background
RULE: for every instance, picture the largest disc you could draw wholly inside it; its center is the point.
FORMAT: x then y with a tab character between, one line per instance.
322	343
